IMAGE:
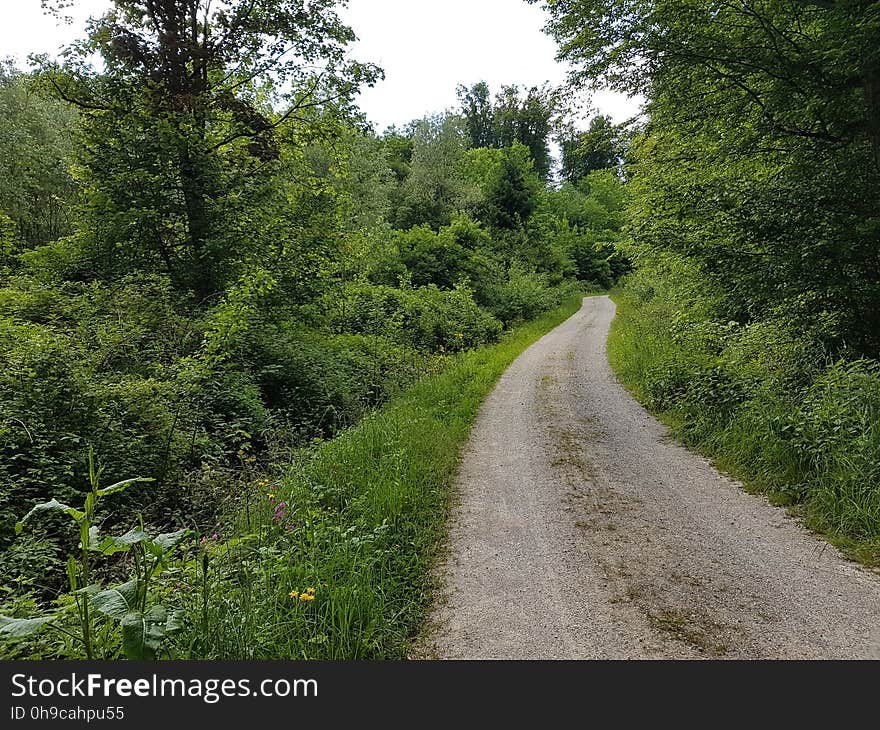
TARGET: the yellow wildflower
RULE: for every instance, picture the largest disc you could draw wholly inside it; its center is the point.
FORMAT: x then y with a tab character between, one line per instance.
294	595
311	591
270	495
307	597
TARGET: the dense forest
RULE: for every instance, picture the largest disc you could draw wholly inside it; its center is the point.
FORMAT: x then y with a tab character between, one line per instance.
243	334
211	267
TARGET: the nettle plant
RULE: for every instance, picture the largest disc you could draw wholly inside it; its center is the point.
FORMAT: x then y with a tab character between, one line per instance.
145	625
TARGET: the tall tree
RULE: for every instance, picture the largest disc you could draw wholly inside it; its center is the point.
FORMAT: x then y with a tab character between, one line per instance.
184	120
433	191
601	147
528	118
476	105
761	161
36	184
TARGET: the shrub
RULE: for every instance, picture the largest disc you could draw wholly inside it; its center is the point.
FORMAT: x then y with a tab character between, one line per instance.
426	318
761	398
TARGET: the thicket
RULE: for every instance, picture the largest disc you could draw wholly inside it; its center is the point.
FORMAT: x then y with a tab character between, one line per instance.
210	267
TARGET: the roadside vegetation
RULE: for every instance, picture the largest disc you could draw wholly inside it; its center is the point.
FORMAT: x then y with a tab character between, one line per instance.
243	334
753	321
218	281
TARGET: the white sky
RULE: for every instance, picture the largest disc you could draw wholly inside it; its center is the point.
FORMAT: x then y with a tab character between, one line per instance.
426	48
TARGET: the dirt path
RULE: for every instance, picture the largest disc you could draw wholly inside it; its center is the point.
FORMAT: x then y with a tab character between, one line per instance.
580	530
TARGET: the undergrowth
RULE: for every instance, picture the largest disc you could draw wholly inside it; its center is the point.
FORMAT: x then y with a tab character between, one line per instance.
765	401
357	520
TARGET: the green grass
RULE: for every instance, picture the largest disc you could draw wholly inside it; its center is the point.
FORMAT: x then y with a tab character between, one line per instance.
813	447
366	513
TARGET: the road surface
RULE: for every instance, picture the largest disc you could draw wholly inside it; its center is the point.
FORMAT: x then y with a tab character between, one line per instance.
581	530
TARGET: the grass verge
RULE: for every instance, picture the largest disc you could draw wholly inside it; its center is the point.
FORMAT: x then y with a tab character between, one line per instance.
811	447
333	560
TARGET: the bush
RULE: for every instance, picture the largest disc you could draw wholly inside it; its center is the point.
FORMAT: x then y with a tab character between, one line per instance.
761	398
836	432
456	253
319	383
426	318
523	296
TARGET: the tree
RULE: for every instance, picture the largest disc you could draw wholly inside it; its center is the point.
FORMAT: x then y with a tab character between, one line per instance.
434	189
476	106
506	185
183	124
398	148
601	147
36	184
513	117
761	160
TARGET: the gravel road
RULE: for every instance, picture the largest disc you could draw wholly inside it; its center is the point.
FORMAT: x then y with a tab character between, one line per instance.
581	530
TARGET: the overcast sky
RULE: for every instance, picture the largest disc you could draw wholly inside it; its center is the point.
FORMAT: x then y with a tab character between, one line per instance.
427	47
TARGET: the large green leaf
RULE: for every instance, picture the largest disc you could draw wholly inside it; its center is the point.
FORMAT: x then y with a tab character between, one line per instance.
121	486
119	544
117	602
162	543
89	590
143	633
19	628
52	504
175	621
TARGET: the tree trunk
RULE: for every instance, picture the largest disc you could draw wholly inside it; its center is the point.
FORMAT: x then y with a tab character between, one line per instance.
195	200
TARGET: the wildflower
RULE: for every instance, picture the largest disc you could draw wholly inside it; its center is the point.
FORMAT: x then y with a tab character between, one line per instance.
310	591
271	496
294	595
279	512
307	597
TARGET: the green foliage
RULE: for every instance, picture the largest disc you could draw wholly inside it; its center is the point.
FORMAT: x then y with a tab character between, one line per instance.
316	383
357	519
514	118
433	190
507	187
426	318
602	146
525	295
762	157
144	624
37	187
182	137
764	399
459	251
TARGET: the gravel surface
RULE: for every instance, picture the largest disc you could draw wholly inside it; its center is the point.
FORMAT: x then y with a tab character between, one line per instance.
581	530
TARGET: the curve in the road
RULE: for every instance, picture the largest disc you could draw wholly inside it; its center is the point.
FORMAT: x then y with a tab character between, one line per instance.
581	530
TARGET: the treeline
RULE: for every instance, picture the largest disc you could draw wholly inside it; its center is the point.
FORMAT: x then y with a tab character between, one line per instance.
754	319
209	261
